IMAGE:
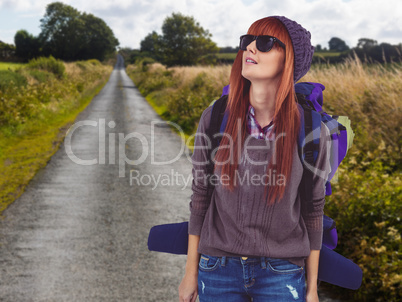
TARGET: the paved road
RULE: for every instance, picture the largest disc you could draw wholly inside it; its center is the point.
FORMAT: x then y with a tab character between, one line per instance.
79	232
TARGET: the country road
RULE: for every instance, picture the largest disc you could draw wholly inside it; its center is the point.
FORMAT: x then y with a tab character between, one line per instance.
79	232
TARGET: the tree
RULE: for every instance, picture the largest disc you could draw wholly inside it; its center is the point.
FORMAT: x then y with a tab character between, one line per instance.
151	46
98	39
6	50
26	45
365	43
318	48
368	51
70	35
384	53
184	41
61	31
229	49
336	44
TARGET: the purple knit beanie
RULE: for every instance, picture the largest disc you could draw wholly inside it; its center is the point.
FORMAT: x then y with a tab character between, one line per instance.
302	47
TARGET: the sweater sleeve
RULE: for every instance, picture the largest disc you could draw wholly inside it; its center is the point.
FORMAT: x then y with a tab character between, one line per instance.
199	199
314	219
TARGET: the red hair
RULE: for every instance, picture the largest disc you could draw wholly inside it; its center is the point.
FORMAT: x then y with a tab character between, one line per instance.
286	116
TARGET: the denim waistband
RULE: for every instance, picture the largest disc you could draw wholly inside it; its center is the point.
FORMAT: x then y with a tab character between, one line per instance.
261	260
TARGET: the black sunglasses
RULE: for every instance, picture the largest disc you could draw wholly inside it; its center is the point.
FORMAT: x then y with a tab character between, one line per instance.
264	43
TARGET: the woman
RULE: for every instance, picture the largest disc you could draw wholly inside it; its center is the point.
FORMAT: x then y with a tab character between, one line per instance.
254	239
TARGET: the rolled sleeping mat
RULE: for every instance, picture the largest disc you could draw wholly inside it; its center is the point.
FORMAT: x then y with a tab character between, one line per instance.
173	238
169	238
329	235
330	238
333	267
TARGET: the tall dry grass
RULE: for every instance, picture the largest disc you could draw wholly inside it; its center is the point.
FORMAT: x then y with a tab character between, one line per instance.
217	74
368	94
180	94
187	74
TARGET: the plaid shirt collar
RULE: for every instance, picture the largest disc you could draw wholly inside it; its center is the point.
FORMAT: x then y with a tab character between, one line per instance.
255	130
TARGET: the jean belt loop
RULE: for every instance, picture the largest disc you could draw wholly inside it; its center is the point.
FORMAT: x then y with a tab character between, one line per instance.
223	261
263	263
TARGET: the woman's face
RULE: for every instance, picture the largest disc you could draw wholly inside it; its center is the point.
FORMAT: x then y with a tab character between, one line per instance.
263	66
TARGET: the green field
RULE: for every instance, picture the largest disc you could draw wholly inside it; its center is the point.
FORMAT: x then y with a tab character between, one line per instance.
8	65
327	54
226	56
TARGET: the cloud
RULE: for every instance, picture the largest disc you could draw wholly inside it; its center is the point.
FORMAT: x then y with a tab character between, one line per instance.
132	20
24	5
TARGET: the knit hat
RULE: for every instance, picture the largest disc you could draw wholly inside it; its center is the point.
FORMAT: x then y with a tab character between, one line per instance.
302	47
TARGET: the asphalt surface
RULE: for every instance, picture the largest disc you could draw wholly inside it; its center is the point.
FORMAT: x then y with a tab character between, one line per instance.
79	232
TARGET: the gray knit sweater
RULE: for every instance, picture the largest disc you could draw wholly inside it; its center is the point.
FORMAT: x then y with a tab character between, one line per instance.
241	223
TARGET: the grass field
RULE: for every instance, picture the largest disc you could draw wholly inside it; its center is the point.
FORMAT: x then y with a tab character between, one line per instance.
226	56
8	65
327	54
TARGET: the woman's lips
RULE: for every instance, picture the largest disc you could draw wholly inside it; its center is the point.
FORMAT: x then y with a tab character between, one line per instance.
250	61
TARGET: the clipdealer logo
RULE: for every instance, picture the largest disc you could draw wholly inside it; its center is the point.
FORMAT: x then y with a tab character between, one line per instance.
173	178
122	139
147	149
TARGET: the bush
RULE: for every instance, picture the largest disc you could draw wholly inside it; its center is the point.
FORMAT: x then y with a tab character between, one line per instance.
186	104
182	92
366	206
80	87
94	62
143	63
155	80
40	75
11	78
49	64
88	64
82	65
33	89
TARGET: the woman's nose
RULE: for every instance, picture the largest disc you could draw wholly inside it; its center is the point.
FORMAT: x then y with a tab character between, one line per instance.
252	47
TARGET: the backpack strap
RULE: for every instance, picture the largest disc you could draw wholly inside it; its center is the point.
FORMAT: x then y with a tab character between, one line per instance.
341	136
308	148
215	124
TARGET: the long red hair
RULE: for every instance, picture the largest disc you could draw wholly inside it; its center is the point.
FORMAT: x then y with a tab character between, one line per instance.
286	116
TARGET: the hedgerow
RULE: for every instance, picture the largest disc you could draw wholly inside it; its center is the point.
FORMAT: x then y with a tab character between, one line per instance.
35	112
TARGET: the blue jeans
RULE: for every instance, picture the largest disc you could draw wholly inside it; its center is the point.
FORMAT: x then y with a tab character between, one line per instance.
233	279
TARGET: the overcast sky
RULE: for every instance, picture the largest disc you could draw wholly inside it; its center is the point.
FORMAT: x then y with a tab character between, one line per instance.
226	20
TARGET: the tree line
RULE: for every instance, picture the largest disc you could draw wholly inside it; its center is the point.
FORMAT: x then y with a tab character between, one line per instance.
184	42
7	51
367	50
70	35
67	34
